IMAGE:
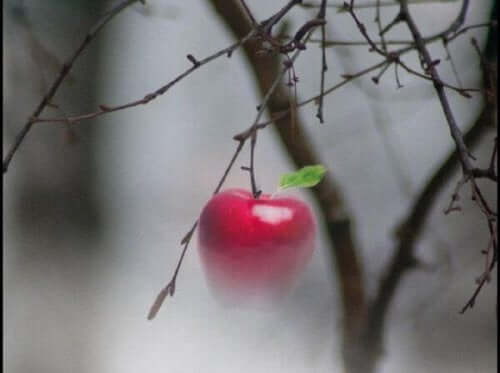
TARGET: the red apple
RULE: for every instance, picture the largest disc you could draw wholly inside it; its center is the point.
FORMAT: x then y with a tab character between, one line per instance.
255	247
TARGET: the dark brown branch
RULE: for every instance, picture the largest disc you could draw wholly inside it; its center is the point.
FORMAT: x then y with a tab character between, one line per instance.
169	289
253	142
461	91
296	43
490	265
378	21
428	66
374	4
408	233
349	7
324	67
250	133
390	25
447	35
452	63
384	68
105	109
463	30
410	230
269	23
394	57
62	74
283	114
455	25
251	169
327	194
248	13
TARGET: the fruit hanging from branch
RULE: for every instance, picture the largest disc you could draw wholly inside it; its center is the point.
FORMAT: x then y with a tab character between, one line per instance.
255	248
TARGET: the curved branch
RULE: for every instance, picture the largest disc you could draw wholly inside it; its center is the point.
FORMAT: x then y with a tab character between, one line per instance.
327	193
410	230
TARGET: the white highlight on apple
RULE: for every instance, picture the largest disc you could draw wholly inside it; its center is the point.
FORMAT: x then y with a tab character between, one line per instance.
272	214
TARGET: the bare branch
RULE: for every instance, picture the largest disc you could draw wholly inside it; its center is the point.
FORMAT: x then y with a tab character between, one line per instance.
242	137
429	66
62	74
248	13
407	234
374	4
324	66
105	109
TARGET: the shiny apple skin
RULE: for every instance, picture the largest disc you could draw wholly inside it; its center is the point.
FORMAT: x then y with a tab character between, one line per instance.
255	248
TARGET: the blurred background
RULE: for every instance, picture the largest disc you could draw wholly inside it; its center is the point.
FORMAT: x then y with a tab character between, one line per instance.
93	213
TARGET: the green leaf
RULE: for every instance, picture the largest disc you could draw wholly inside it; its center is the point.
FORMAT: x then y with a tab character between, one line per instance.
306	177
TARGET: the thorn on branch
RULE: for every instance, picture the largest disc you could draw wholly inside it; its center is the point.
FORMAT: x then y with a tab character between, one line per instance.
436	62
484	277
187	237
193	60
464	94
241	137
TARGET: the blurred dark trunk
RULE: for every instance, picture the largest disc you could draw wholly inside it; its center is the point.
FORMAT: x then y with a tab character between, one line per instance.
52	219
334	214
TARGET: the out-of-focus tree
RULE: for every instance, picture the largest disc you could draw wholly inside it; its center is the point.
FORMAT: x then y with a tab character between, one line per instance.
57	198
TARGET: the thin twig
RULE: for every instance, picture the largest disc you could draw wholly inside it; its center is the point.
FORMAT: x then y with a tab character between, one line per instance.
248	13
346	79
429	66
269	23
390	25
378	21
470	27
105	109
324	67
484	278
407	234
452	63
393	57
433	38
341	8
456	24
169	289
377	77
461	91
255	126
448	35
253	142
251	133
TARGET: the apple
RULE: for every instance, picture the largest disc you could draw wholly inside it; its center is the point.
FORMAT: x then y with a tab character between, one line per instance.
255	247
